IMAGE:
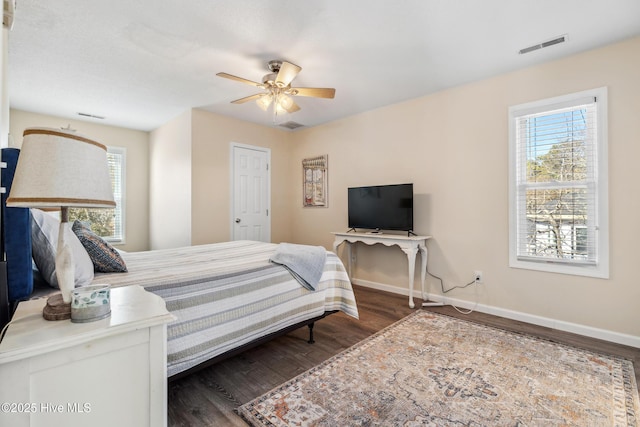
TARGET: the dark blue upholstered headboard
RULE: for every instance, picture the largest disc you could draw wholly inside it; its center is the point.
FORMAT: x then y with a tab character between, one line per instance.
16	232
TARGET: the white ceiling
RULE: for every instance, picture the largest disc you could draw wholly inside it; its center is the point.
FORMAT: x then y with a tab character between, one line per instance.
140	63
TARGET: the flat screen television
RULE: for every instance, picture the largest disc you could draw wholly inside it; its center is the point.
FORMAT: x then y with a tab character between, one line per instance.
381	207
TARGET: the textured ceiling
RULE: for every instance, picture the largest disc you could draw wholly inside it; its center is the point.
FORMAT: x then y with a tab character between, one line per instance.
141	63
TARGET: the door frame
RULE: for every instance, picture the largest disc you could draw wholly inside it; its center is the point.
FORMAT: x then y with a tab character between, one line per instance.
232	198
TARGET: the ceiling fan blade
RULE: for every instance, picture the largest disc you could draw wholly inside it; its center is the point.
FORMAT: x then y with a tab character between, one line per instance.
247	98
239	79
287	73
316	92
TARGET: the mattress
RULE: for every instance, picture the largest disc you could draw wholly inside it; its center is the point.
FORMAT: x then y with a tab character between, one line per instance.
225	295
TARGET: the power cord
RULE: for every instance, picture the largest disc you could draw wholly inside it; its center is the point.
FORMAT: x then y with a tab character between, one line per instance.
444	291
4	330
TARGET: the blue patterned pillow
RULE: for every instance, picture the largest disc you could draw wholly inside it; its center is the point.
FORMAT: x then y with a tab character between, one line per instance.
105	257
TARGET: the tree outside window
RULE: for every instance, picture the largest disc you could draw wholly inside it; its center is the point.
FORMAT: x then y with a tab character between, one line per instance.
555	213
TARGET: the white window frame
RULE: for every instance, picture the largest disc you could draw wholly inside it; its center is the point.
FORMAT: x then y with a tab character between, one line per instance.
120	202
600	268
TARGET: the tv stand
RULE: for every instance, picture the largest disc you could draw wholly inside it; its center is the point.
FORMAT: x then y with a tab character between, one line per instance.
410	245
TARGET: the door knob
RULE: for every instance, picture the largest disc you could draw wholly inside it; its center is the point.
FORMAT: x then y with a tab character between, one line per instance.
238	220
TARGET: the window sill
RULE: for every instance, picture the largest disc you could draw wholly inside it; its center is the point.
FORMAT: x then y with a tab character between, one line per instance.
599	271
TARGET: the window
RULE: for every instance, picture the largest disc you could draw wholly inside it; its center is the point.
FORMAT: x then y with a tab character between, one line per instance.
558	185
108	223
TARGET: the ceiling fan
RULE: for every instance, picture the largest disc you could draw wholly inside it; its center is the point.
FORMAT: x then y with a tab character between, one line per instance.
278	88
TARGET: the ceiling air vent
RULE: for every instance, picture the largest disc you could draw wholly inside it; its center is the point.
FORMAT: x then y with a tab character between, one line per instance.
544	44
93	116
291	125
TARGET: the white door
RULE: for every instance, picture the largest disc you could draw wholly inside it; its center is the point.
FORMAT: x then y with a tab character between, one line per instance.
250	186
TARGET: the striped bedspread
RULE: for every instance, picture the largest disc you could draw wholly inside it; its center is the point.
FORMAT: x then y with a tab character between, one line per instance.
227	294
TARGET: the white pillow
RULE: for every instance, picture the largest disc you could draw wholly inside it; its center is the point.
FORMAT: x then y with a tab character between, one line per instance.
44	241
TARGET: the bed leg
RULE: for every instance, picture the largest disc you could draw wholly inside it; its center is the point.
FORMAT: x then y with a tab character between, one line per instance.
310	325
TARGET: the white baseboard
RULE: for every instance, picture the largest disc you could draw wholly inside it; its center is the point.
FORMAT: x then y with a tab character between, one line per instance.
561	325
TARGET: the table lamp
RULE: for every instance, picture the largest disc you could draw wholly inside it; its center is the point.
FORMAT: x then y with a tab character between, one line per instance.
58	168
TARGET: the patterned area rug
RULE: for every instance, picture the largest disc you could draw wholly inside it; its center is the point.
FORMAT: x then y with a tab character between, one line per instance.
430	369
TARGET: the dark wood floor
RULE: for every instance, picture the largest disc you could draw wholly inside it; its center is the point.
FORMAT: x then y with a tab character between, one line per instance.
208	397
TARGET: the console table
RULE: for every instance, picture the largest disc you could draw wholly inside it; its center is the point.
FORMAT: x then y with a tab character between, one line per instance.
110	372
410	245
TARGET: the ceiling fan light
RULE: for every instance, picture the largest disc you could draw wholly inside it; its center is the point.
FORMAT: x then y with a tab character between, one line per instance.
264	102
280	109
285	101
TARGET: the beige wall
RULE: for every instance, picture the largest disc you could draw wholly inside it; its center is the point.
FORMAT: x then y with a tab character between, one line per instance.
170	191
137	172
212	136
453	146
190	178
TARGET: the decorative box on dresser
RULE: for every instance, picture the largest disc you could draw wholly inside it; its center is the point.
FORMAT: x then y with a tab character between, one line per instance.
110	372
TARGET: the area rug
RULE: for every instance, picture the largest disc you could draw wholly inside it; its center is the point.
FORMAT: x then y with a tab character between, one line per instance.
435	370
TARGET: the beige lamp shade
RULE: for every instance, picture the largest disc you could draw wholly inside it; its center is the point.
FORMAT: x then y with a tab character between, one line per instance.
61	168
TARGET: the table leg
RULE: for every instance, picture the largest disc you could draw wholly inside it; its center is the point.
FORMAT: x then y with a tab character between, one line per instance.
337	243
423	253
349	249
423	270
411	257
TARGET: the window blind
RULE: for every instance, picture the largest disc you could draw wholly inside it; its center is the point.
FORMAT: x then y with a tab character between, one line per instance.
556	183
115	159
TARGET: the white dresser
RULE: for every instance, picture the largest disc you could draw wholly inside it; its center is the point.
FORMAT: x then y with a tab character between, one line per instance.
111	372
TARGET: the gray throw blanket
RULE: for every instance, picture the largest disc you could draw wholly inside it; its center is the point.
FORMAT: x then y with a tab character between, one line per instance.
305	263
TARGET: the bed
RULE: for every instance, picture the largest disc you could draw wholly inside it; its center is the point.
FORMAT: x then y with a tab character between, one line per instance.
226	297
